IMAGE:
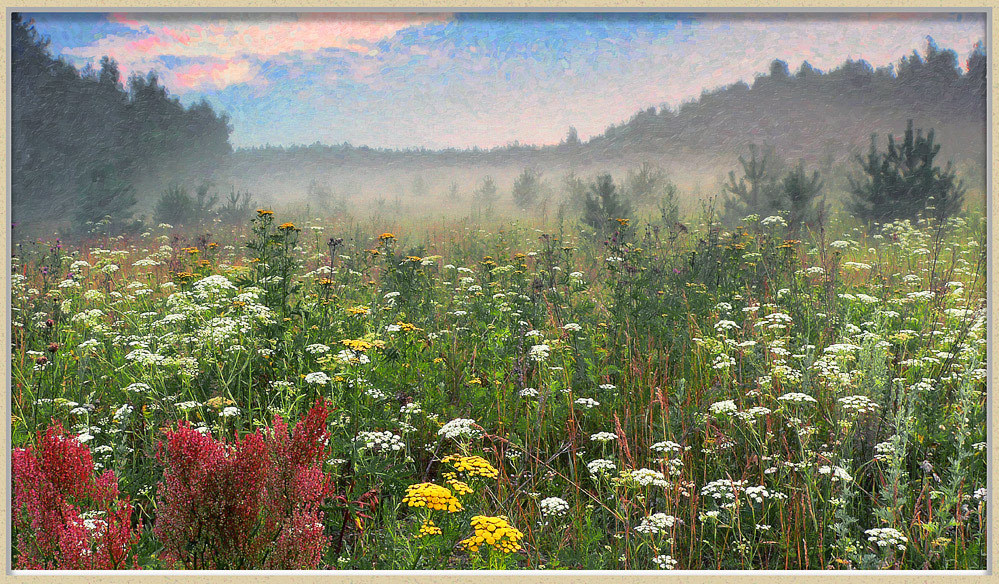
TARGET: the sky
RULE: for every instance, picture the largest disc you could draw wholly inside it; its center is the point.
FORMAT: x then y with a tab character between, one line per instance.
437	80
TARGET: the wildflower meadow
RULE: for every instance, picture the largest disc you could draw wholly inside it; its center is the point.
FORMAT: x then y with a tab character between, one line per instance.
305	392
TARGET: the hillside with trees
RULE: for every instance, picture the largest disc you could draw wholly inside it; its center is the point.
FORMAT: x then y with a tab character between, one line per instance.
85	146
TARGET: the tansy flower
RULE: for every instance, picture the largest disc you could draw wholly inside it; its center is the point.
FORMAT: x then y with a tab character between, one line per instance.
431	496
386	236
493	531
264	212
472	466
428	528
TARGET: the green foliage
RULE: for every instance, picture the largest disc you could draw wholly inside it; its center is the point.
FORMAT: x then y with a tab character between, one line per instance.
903	182
237	207
485	194
758	191
801	193
105	194
69	126
527	188
605	205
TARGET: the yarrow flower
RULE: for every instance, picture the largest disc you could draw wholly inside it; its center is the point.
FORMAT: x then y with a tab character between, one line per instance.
887	537
379	441
797	397
460	428
603	437
554	507
664	562
317	378
317	349
723	407
600	466
656	523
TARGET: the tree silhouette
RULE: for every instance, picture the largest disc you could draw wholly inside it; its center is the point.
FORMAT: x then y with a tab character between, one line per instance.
527	188
903	181
604	204
801	193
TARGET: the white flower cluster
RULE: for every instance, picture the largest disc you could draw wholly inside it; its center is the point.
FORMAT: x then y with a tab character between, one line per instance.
647	477
664	562
666	447
600	466
539	352
528	392
887	537
317	378
603	437
587	402
656	523
317	349
797	397
459	428
411	409
859	404
838	473
725	407
379	441
554	507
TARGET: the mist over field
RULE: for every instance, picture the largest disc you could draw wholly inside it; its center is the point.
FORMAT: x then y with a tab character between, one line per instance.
84	117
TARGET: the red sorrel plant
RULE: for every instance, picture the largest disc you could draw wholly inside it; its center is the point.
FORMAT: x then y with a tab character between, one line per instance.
65	517
253	503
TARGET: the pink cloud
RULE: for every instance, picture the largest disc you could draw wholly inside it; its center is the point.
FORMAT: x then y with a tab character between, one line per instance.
220	38
213	75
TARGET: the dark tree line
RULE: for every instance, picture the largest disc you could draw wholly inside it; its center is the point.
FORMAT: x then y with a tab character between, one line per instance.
85	147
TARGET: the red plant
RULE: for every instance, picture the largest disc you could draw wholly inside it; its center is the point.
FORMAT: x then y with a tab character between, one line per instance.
250	504
65	517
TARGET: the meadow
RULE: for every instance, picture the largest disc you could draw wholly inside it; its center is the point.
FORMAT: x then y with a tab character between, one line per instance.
335	393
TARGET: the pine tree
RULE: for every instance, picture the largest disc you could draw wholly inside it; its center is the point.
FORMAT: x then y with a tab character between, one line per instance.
604	203
801	193
527	188
903	182
757	191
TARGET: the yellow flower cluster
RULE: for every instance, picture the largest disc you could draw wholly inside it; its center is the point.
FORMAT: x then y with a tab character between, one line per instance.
406	326
473	466
494	531
459	487
386	236
219	402
431	496
289	226
359	345
359	310
428	528
264	212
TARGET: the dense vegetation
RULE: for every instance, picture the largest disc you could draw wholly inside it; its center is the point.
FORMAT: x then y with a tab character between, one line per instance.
372	394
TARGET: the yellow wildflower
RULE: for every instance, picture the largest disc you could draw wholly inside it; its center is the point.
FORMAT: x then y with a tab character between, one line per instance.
473	466
431	496
493	531
428	528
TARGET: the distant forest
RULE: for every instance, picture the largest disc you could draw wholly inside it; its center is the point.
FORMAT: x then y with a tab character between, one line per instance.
85	145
